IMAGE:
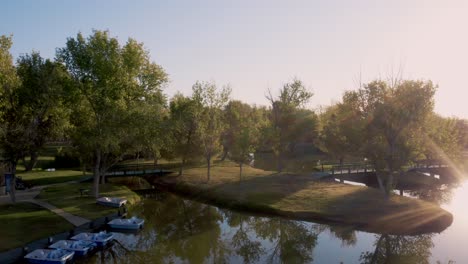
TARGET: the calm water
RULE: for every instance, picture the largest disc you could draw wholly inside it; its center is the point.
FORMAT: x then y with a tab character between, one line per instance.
183	231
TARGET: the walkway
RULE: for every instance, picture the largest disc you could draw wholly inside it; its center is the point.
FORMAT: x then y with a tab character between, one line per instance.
29	196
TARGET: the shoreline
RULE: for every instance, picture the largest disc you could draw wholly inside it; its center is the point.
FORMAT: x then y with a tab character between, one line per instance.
415	217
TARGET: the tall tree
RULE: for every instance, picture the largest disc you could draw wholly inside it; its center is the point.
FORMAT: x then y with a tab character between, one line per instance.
41	97
341	134
286	122
183	125
445	139
242	134
11	124
111	81
211	125
387	120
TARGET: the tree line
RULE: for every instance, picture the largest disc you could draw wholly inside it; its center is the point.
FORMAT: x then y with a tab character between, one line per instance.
108	100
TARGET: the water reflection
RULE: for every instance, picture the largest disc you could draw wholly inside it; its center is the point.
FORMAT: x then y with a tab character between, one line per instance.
184	231
399	249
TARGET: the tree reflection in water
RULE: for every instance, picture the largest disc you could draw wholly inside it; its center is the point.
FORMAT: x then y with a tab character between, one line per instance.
184	231
399	249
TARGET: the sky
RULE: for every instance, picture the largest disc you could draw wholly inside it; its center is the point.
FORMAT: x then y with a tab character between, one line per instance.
254	46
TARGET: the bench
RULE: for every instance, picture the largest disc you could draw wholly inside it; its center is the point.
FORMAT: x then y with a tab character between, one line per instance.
83	191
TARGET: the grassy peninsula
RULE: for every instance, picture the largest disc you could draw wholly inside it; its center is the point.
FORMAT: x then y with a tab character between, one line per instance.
300	197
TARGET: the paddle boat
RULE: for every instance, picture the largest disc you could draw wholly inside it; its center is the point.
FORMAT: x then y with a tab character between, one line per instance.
80	247
49	256
133	223
101	238
111	201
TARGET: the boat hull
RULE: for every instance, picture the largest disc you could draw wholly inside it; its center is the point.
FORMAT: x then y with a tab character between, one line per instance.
126	224
127	227
34	258
112	202
100	241
85	247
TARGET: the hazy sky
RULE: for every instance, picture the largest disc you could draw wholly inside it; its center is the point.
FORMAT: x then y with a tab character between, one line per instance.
256	45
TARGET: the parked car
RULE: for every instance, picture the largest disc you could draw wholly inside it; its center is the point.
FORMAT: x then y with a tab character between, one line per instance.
22	185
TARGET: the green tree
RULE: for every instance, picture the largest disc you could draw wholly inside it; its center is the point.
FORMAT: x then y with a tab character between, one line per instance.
11	124
40	97
288	121
183	126
110	82
340	134
445	139
387	120
243	131
211	125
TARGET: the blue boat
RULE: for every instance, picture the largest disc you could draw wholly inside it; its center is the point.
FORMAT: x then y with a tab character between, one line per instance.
49	256
111	201
101	238
80	247
128	224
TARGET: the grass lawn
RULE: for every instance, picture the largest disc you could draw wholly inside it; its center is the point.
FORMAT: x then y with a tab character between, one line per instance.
25	222
300	197
68	198
41	177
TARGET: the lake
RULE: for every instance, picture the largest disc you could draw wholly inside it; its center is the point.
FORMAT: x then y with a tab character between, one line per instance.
179	230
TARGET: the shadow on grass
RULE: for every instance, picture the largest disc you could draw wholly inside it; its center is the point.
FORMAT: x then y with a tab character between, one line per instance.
53	180
25	222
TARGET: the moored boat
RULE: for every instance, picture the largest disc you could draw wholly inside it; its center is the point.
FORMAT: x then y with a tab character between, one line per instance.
111	201
133	223
101	238
80	247
49	256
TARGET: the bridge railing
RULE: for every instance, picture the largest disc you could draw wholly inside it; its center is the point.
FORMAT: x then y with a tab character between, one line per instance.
352	168
364	168
133	169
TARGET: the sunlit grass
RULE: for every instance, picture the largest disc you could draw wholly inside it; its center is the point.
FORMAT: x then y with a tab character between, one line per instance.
68	198
299	196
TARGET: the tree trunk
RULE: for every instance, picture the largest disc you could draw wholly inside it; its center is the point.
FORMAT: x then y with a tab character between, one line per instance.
97	172
13	182
389	186
280	162
208	160
181	169
225	153
102	173
380	181
32	162
240	171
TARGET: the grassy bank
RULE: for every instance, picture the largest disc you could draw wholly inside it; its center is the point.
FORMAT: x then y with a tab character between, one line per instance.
68	198
25	222
299	197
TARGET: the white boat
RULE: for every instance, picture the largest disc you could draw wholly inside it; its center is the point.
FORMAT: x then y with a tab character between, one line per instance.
101	238
80	247
49	256
111	201
133	223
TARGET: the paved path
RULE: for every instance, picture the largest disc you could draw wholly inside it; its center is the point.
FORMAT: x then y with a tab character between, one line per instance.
75	220
29	196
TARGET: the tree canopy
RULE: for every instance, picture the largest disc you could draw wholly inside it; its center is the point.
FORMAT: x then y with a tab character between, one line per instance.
110	83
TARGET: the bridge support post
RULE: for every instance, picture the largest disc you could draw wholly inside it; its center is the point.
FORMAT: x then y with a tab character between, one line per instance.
401	192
